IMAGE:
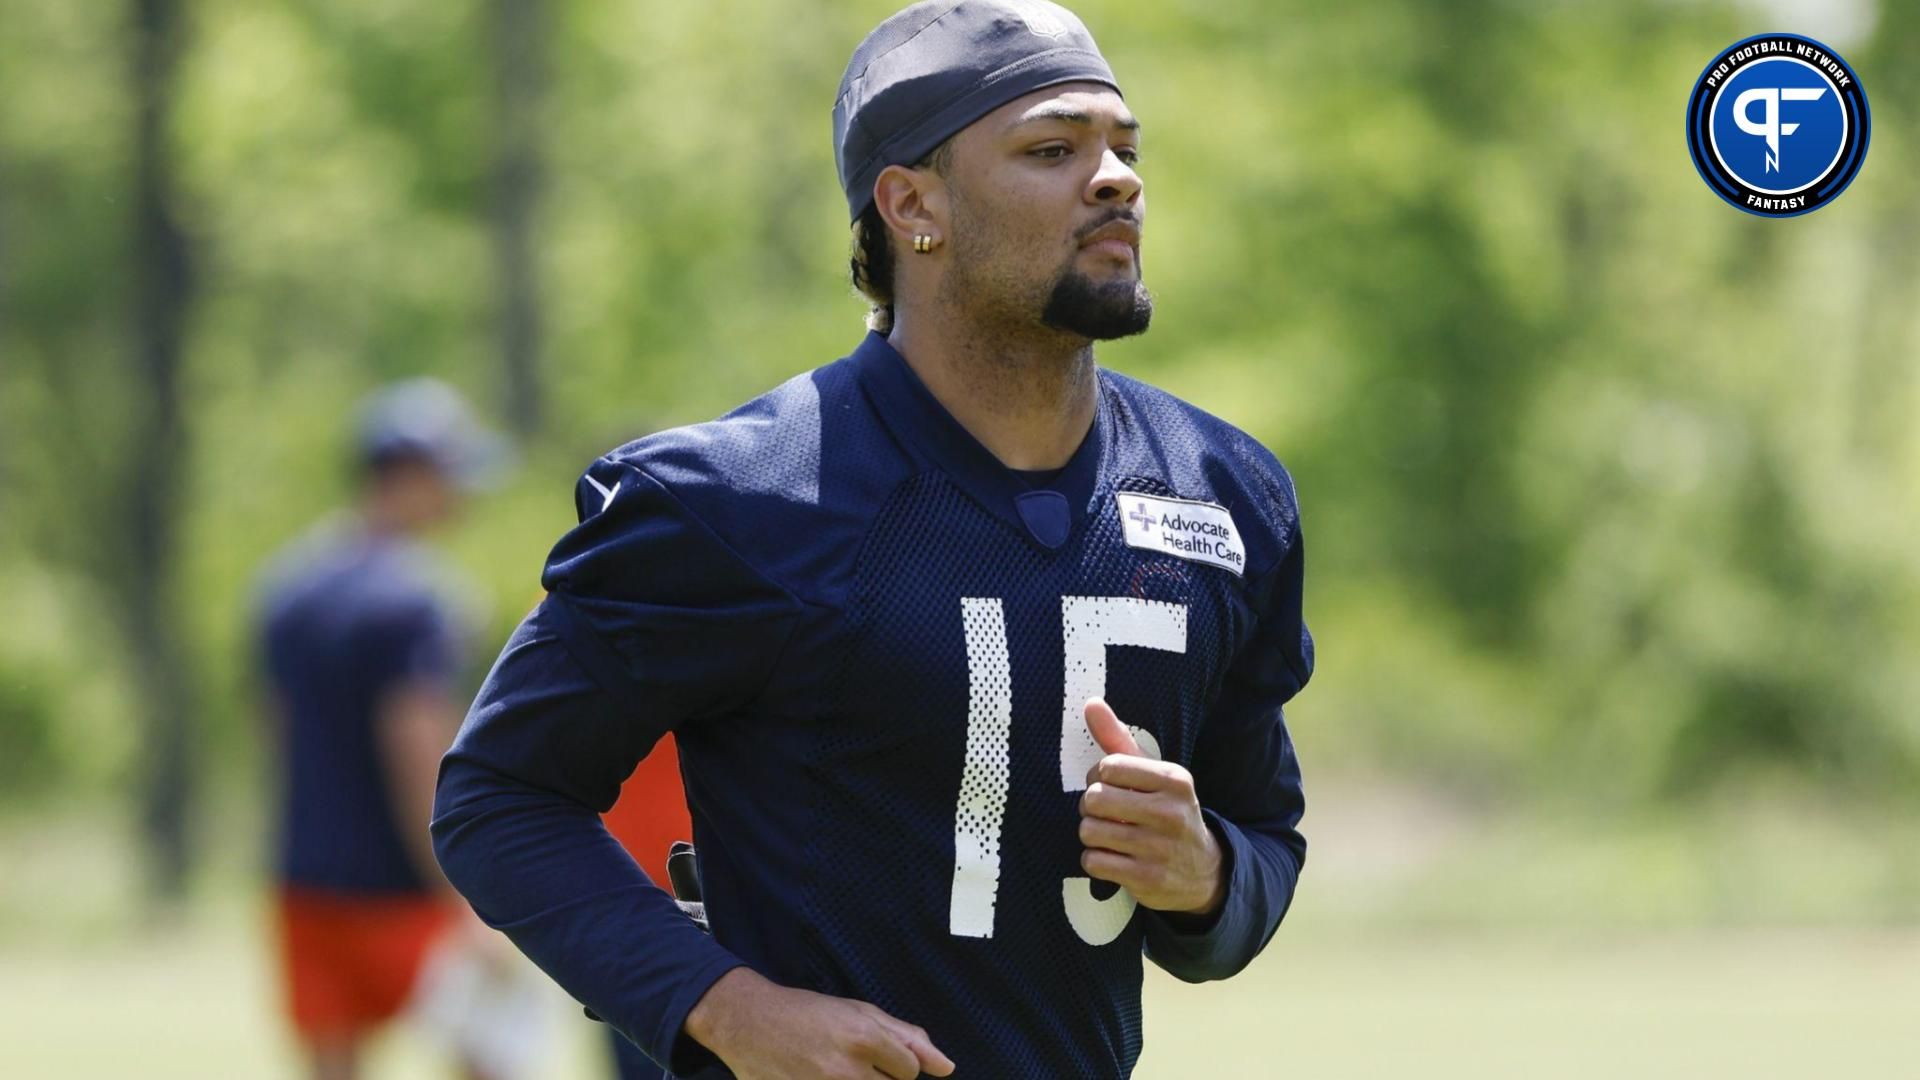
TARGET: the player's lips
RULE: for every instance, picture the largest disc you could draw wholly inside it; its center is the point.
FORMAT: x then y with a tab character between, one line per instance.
1120	239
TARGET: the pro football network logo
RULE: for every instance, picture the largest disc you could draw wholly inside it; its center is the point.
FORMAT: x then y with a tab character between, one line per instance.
1778	125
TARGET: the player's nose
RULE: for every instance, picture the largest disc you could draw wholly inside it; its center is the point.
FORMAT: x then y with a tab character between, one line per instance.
1115	182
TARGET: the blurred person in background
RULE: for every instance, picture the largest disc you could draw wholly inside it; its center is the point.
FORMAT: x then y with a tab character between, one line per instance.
362	649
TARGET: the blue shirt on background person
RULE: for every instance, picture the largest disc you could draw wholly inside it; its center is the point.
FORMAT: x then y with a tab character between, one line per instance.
347	618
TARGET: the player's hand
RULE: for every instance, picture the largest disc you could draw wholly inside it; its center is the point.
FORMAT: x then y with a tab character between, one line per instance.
765	1031
1140	821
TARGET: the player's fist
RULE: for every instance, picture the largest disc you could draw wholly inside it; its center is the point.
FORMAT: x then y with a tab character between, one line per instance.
765	1031
1141	824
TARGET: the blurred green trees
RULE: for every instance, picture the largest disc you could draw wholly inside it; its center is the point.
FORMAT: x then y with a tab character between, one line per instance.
1609	489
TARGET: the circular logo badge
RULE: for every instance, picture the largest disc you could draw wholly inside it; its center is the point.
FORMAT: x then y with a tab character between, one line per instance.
1778	125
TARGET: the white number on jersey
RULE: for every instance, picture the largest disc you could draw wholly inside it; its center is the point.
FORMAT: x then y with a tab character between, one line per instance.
1088	624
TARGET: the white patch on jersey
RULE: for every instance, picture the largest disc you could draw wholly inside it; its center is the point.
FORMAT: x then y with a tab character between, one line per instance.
982	806
1089	624
1097	922
1196	531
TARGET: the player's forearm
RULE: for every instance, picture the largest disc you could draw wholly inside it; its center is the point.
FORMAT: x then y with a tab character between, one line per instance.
543	870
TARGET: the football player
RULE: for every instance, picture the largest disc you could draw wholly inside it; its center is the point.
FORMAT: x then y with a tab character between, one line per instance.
975	652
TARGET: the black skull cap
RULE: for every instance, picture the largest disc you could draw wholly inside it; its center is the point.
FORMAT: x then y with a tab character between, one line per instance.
937	66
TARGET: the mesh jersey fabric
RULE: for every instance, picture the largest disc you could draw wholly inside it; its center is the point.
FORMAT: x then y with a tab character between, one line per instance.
870	663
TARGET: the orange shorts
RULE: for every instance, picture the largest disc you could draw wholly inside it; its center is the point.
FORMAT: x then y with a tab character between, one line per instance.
351	961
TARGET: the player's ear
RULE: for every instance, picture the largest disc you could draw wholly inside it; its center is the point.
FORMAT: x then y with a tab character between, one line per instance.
913	203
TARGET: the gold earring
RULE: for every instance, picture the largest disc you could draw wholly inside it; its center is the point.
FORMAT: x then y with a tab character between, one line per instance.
922	243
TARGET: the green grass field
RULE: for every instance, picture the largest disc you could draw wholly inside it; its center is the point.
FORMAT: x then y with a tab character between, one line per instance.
200	1002
1413	951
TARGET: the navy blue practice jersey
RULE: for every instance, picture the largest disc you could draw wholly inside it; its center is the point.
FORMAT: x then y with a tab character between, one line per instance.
874	642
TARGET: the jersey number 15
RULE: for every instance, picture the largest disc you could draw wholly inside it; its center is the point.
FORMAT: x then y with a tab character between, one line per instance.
1089	624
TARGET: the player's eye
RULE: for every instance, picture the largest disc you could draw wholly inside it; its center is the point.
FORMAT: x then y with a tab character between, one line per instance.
1127	155
1054	151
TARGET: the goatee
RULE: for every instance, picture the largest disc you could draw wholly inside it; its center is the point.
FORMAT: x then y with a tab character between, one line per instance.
1102	312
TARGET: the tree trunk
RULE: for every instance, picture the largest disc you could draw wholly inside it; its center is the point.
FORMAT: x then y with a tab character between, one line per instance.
519	36
162	295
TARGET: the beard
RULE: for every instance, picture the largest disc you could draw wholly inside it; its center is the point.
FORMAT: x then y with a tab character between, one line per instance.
1099	311
988	269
